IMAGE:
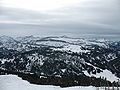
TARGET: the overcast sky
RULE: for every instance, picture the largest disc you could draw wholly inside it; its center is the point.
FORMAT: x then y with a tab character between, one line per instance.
58	17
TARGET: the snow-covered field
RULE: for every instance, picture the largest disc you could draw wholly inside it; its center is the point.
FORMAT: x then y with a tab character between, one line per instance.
13	82
106	74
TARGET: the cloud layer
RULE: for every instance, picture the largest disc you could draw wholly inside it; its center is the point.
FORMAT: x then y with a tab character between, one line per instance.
92	17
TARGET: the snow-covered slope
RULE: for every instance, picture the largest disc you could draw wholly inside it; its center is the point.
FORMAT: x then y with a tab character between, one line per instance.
12	82
61	56
107	74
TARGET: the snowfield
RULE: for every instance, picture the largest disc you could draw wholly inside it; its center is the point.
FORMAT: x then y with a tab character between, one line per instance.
107	74
13	82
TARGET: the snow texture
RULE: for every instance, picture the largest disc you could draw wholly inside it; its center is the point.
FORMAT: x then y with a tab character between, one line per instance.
106	74
13	82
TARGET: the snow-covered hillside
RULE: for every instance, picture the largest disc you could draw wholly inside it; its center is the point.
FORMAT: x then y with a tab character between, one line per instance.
62	55
107	74
12	82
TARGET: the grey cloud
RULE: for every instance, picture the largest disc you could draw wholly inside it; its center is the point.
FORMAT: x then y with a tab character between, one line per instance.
15	14
95	17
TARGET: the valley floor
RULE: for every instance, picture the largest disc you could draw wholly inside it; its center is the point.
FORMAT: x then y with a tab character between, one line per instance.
13	82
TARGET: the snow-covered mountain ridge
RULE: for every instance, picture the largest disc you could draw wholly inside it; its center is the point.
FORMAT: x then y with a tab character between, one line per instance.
59	56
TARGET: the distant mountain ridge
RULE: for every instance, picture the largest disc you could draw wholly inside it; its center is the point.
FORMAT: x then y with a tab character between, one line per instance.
58	56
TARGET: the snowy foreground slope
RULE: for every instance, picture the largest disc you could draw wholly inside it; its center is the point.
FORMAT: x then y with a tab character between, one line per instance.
12	82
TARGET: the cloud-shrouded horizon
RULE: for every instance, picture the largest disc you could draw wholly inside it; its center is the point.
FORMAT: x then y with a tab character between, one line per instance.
88	17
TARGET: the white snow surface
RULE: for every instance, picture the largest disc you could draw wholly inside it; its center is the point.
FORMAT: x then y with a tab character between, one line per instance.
106	74
13	82
99	42
73	48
